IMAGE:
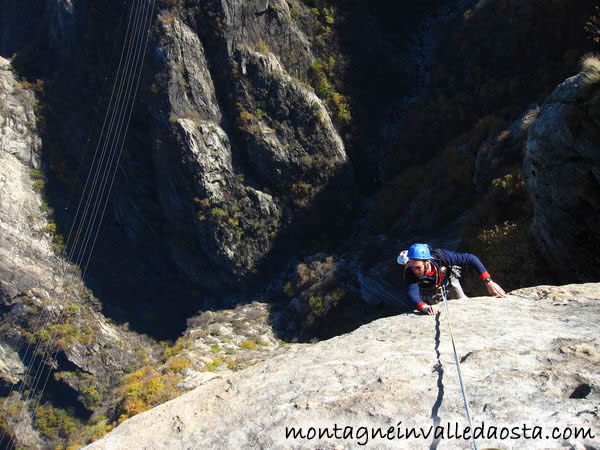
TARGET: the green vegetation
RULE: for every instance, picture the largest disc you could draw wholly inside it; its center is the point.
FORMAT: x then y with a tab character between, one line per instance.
317	306
320	283
218	213
214	365
226	216
145	388
178	364
72	324
86	384
263	47
288	289
173	350
63	430
39	183
248	344
54	423
319	74
57	242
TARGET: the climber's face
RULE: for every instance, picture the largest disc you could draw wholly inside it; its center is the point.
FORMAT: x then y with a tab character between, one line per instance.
419	266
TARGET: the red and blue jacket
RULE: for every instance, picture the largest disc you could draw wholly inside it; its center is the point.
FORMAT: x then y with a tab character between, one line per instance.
442	261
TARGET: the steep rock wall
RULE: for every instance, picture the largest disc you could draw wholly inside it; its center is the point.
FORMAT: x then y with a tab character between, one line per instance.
50	321
561	166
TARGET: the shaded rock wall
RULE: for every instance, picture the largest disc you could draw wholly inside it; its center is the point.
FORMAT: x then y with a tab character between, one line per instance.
562	170
50	321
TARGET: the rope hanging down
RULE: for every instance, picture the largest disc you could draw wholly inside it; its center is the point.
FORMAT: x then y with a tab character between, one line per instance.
460	380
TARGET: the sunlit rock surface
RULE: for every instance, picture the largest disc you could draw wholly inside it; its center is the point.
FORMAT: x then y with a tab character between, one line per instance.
529	359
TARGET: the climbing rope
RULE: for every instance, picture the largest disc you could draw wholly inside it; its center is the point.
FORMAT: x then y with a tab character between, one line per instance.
460	380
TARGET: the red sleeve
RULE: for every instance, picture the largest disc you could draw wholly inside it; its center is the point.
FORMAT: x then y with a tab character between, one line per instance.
485	275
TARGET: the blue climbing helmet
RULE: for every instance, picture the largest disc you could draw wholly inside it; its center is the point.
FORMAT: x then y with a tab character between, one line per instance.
419	251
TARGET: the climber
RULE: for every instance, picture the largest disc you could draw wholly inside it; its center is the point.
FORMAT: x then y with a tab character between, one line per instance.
430	270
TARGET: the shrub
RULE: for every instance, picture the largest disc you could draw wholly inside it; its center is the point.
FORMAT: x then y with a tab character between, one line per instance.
143	389
592	26
263	47
170	351
178	364
319	79
54	423
38	185
590	65
510	255
214	365
288	289
218	212
317	307
50	228
248	344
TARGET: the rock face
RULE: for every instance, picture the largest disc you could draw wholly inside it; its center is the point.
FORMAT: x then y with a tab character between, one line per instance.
562	170
19	203
252	158
498	154
42	297
529	359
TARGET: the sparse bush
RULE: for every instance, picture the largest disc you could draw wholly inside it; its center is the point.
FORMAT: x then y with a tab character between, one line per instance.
248	344
38	186
592	26
510	255
288	289
317	307
214	365
263	47
145	388
178	364
218	212
318	77
320	283
55	424
590	65
170	351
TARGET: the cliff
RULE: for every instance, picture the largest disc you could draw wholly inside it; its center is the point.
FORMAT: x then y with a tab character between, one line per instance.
50	321
562	169
530	358
279	155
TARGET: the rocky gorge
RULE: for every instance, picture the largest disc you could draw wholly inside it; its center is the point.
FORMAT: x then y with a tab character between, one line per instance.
268	179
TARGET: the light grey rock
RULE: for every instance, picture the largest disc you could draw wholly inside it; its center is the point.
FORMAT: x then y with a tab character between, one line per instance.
525	360
11	367
19	424
296	128
207	157
194	379
561	163
191	91
24	248
269	23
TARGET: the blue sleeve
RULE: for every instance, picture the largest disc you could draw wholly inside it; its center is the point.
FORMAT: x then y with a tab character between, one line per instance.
412	289
462	259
